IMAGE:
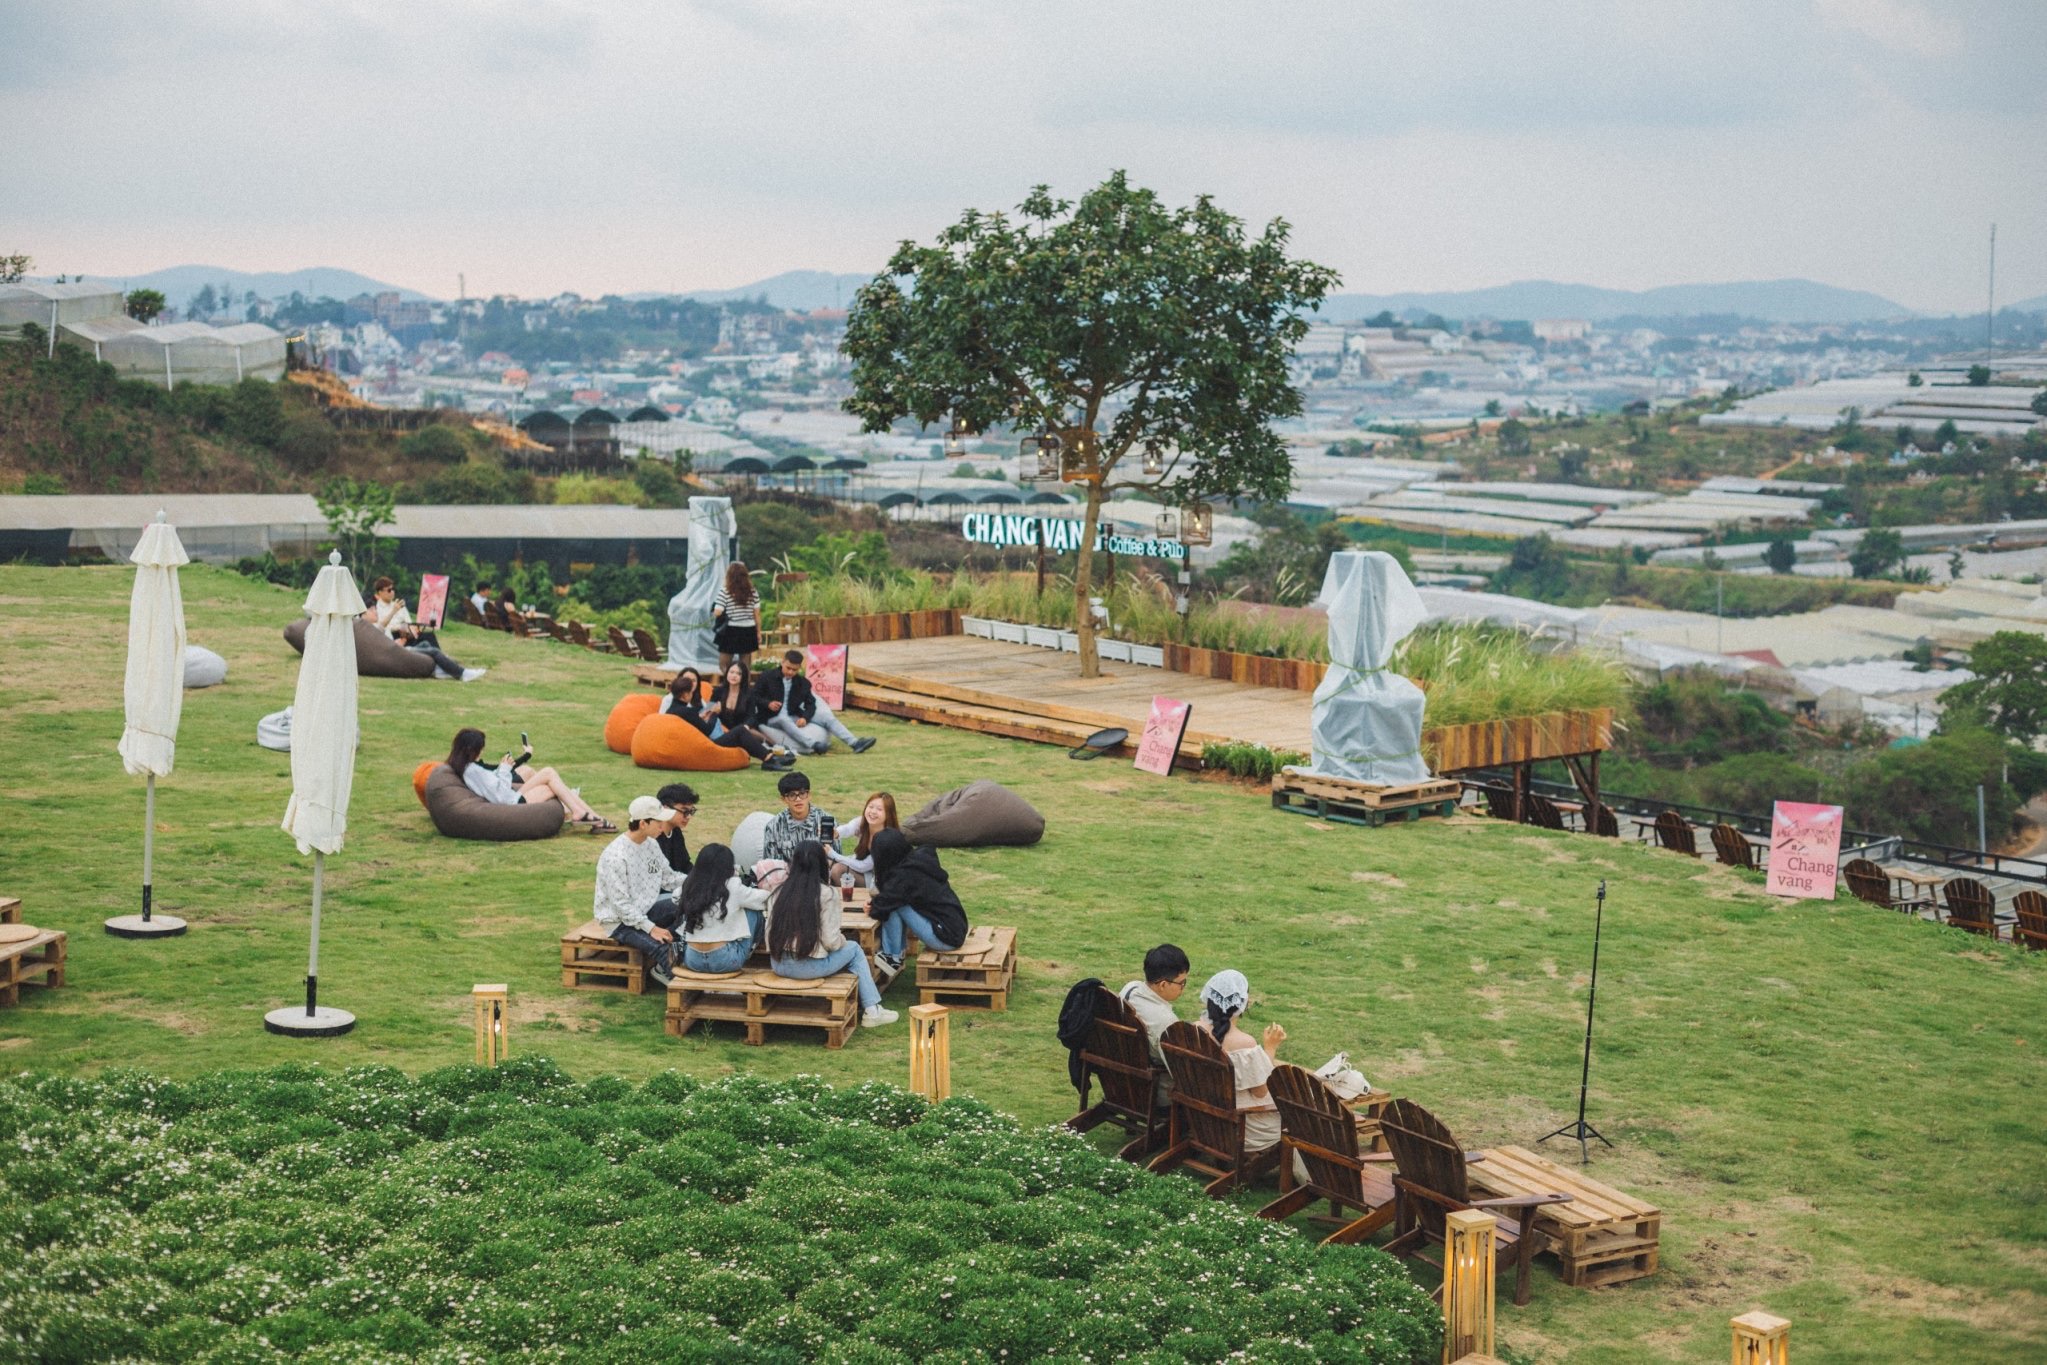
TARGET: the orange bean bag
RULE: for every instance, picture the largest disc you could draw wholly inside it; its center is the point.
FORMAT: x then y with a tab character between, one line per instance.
625	718
672	742
419	777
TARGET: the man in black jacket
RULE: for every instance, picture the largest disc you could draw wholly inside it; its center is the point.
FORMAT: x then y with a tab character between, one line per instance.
912	895
674	847
784	704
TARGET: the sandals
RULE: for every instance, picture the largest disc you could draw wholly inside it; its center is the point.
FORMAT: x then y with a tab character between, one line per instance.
597	823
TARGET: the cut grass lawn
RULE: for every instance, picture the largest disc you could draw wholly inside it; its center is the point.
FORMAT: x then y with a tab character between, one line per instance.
1838	1109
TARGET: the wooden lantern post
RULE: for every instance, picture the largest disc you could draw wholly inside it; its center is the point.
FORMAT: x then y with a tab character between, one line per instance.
493	1027
1761	1339
1468	1283
931	1052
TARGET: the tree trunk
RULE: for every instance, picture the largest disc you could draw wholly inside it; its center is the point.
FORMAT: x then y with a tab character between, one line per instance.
1083	572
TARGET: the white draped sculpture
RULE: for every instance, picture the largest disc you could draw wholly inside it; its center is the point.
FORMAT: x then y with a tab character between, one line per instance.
1368	718
711	528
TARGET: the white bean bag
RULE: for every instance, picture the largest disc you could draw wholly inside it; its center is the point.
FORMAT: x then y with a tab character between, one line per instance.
204	668
749	841
274	731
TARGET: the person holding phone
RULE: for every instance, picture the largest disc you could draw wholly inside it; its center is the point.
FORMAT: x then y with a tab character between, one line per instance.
387	613
512	783
799	821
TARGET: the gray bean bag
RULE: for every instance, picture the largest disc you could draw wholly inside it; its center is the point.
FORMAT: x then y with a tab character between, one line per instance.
978	815
377	655
204	668
460	813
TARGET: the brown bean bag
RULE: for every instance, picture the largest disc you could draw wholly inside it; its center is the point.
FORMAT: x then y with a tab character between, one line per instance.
377	655
980	814
419	777
460	813
672	742
625	718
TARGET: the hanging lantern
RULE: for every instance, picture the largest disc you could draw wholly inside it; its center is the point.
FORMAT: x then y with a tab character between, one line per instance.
1154	460
1039	457
493	1028
1197	524
1167	527
1080	459
956	439
1760	1339
1468	1283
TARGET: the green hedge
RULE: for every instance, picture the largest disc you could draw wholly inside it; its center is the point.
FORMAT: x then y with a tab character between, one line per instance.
515	1214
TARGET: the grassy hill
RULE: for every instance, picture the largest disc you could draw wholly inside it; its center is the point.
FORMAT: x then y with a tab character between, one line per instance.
1838	1109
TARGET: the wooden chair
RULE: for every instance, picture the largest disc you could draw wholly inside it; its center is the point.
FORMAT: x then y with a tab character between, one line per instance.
515	621
1600	820
1867	881
580	634
1543	812
648	646
1674	832
558	631
2031	930
1732	847
621	644
471	616
1323	1132
1499	804
1431	1183
1207	1128
494	616
1971	906
1118	1054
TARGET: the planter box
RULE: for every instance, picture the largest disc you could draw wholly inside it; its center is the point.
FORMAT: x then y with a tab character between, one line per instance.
1042	636
879	626
1522	739
977	625
1253	670
1069	641
1118	650
1151	656
1008	631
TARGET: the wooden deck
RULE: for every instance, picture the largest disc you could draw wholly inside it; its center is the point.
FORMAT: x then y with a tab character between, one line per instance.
1031	693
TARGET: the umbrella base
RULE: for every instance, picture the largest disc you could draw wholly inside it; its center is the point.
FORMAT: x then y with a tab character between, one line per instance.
156	926
293	1021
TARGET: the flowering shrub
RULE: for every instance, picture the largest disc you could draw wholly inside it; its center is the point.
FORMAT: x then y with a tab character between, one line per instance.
471	1214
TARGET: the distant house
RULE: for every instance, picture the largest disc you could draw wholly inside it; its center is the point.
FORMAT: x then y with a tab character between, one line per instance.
1561	329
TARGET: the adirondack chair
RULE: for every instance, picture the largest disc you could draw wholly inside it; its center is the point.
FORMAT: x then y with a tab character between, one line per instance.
494	616
1674	832
1867	881
1499	804
649	648
1732	848
1431	1183
1600	820
558	631
1323	1133
1971	906
1118	1054
2031	930
621	644
580	634
1207	1128
1543	812
515	621
471	616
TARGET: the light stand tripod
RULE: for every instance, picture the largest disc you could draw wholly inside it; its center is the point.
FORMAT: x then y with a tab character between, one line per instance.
1581	1130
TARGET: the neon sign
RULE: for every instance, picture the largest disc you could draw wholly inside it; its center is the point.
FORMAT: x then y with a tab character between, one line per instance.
1059	534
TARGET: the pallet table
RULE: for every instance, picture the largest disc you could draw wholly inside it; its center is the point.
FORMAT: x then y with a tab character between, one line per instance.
10	910
592	960
979	973
757	997
29	957
1601	1237
1369	804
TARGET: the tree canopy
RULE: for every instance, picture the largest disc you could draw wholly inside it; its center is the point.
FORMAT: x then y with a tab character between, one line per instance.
2008	695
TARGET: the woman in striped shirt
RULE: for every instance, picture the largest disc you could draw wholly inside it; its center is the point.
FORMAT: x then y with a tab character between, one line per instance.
735	615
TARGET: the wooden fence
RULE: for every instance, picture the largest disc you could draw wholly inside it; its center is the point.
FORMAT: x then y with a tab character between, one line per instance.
1252	670
1522	739
879	626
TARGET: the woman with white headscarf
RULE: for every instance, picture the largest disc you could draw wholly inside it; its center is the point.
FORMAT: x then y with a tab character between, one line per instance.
1225	998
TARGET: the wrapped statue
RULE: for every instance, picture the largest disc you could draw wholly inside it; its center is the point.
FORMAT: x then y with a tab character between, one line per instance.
1368	718
711	529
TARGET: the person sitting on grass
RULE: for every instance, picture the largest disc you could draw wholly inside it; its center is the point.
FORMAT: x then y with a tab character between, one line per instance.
681	799
480	598
785	706
877	815
635	900
912	895
512	783
1151	1000
686	699
805	938
1224	1000
798	822
721	914
387	613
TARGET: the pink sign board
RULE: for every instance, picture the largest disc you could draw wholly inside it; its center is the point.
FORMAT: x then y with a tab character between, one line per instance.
1161	738
433	599
825	666
1805	848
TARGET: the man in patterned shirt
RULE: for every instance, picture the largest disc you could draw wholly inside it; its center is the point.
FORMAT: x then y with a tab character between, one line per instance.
636	888
798	821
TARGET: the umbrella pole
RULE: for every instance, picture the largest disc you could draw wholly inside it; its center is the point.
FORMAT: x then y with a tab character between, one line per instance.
148	843
313	959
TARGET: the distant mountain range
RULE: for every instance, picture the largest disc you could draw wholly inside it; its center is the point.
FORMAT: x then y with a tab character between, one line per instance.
1767	300
799	289
181	282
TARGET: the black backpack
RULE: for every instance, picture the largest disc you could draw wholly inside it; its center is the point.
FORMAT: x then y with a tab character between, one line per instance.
1076	1020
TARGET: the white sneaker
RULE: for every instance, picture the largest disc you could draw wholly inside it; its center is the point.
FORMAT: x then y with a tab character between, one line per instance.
874	1016
472	674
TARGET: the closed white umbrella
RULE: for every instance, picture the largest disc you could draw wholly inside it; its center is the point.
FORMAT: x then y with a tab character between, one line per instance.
155	695
323	739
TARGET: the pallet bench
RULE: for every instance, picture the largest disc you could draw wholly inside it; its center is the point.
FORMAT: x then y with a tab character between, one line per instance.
757	997
1601	1237
29	957
10	910
977	975
592	960
1363	803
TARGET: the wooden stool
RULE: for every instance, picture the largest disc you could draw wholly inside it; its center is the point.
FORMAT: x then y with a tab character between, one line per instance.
976	975
10	910
592	960
757	997
1601	1237
29	957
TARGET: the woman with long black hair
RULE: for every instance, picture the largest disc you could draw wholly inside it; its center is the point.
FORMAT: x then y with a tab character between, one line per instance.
735	616
721	915
805	940
912	895
686	699
511	783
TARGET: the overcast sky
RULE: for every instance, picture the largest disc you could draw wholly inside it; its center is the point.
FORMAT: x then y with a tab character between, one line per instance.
618	146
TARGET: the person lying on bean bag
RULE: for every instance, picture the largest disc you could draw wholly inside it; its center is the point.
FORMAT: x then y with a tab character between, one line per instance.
460	813
513	783
377	655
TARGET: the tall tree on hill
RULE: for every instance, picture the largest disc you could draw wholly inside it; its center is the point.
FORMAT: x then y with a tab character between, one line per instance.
2008	695
144	304
1171	325
14	266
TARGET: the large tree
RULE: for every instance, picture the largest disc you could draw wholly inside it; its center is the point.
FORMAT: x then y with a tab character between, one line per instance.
1170	326
2008	695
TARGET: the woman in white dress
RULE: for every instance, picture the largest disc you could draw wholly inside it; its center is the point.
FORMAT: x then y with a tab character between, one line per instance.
1225	998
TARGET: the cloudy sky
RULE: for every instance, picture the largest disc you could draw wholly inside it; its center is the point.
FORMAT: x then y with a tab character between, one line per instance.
616	145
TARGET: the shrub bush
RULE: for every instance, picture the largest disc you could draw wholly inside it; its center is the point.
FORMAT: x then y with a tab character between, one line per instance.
514	1213
435	444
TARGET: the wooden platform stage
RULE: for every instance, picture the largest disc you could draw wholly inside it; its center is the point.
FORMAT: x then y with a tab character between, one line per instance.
1029	693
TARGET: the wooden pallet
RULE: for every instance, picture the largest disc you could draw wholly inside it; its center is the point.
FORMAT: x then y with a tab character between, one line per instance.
1348	812
592	960
10	910
1601	1237
29	957
1372	795
757	997
978	975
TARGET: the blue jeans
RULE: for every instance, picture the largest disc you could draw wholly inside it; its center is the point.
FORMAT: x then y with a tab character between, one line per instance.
848	957
729	957
664	913
892	935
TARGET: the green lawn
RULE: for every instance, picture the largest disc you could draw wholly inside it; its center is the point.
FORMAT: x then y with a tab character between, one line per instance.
1828	1102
